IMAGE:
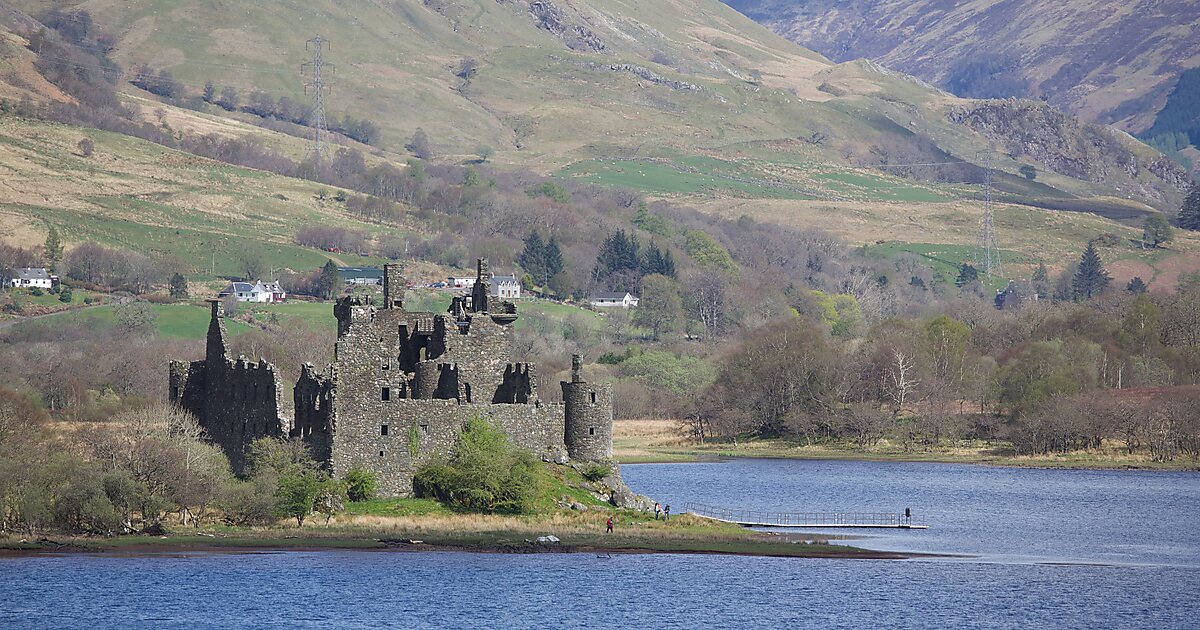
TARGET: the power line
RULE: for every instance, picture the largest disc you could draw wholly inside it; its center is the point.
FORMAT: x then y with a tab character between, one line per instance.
317	84
987	226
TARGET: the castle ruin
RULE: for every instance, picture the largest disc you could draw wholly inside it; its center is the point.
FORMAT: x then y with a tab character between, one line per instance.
400	389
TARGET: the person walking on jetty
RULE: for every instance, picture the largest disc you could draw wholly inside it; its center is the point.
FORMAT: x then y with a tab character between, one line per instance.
610	525
657	510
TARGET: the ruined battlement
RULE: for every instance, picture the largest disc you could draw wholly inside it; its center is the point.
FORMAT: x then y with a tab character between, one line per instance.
400	389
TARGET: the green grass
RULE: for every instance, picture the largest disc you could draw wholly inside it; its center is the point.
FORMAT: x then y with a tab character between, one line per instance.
398	507
946	260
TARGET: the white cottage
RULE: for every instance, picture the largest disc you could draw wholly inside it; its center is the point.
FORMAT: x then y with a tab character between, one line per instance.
32	277
614	300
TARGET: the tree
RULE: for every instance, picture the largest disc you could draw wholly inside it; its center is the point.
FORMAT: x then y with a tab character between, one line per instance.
486	473
252	262
1156	230
533	258
1137	286
484	152
330	280
53	248
660	308
360	484
179	286
1090	279
966	275
1028	172
296	494
209	92
1189	213
86	147
553	259
419	145
229	99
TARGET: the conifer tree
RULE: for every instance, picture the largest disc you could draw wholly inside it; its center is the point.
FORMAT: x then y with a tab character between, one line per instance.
1137	286
553	259
966	275
179	287
330	278
533	257
1090	279
54	248
1189	214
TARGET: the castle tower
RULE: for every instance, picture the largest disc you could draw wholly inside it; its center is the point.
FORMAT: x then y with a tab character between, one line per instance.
217	348
394	285
482	290
589	416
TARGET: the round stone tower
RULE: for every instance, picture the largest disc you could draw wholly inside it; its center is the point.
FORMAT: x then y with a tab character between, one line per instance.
589	417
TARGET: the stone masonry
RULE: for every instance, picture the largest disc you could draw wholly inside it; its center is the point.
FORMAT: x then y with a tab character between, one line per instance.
400	389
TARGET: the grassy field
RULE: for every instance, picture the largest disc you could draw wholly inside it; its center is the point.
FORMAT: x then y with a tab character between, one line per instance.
146	198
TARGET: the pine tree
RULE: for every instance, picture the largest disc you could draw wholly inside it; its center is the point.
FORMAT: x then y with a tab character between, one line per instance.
553	259
179	287
54	248
1041	274
1091	279
1189	214
1136	286
329	280
966	275
1156	231
533	258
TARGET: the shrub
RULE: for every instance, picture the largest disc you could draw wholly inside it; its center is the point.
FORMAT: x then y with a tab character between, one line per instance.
36	292
596	472
249	502
360	484
486	474
65	297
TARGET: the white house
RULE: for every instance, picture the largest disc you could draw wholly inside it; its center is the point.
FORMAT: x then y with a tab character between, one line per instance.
507	287
614	300
461	282
261	292
31	277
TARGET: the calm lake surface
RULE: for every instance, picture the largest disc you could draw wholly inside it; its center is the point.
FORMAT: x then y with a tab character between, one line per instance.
1051	549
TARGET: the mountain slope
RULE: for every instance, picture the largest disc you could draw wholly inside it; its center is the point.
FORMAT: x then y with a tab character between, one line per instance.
1106	61
554	83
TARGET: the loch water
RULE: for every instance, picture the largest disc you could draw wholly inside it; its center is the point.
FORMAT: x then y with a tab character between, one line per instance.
1034	549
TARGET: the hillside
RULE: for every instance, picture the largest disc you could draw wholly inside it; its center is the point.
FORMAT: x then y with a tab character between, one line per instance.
520	78
1105	61
689	102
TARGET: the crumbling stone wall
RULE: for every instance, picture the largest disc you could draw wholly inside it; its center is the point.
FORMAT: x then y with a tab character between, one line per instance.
235	402
401	389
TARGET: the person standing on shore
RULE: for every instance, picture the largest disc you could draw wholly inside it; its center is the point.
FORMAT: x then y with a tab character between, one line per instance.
610	525
657	509
666	512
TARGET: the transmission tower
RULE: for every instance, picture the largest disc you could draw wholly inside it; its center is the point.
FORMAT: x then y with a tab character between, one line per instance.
987	227
314	71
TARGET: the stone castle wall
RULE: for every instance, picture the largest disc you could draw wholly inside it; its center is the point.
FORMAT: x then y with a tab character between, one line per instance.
401	389
235	402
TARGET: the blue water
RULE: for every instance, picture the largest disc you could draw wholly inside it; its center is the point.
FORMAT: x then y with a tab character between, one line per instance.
1037	537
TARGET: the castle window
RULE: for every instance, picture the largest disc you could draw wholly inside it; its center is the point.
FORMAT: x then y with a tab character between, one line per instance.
385	366
425	429
383	430
385	393
381	453
591	430
593	398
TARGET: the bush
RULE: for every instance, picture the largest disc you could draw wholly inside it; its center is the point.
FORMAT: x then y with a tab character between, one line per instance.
65	297
249	502
596	472
486	474
36	292
360	484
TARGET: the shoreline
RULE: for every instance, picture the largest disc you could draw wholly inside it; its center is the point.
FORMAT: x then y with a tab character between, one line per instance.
710	457
749	543
659	442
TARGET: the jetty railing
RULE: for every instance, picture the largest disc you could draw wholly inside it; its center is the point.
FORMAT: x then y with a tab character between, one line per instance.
757	518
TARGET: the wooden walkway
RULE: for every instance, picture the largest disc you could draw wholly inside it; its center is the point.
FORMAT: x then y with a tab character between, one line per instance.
751	518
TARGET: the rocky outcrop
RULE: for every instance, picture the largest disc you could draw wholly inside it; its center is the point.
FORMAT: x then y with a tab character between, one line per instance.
1068	147
550	18
644	74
